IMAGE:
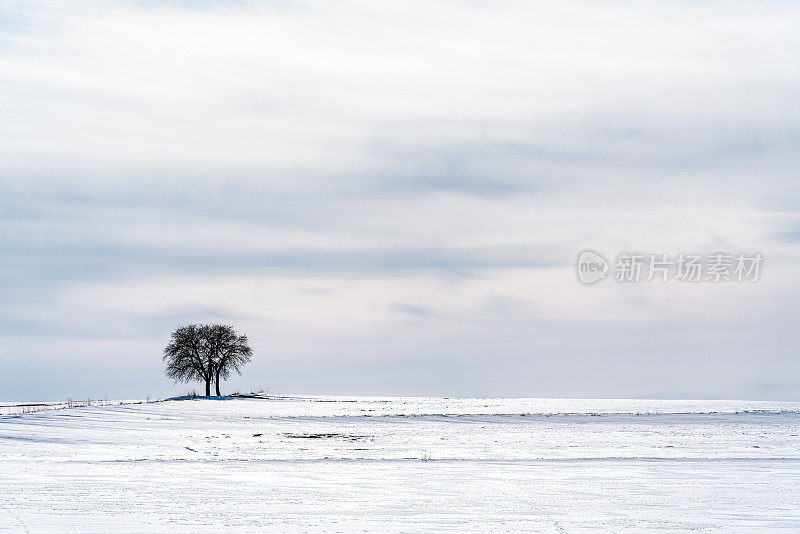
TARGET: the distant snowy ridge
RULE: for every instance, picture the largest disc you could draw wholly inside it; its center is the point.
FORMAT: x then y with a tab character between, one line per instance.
350	406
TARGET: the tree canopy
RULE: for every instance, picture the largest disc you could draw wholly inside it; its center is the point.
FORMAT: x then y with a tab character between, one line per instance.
206	353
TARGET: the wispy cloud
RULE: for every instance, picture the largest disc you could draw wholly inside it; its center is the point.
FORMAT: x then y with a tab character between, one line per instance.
399	183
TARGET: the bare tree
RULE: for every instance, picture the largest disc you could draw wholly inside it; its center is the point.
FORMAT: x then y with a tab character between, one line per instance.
206	353
187	356
231	352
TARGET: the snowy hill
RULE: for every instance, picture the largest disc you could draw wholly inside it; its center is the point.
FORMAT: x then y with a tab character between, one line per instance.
401	464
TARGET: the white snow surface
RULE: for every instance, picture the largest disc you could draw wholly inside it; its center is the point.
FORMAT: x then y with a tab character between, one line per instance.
357	464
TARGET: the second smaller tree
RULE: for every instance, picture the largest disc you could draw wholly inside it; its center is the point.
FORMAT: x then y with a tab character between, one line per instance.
230	352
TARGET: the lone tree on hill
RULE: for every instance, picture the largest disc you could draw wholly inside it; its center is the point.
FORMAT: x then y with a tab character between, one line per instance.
205	353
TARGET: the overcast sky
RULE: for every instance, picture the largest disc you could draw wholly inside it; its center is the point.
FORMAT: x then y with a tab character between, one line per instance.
388	197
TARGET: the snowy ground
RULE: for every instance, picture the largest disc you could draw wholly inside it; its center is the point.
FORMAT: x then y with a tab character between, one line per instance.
401	465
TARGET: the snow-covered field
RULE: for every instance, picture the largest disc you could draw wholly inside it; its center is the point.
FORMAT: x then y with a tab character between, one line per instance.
341	464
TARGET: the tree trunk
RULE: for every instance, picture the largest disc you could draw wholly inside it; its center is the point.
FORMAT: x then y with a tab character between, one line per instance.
208	387
217	383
